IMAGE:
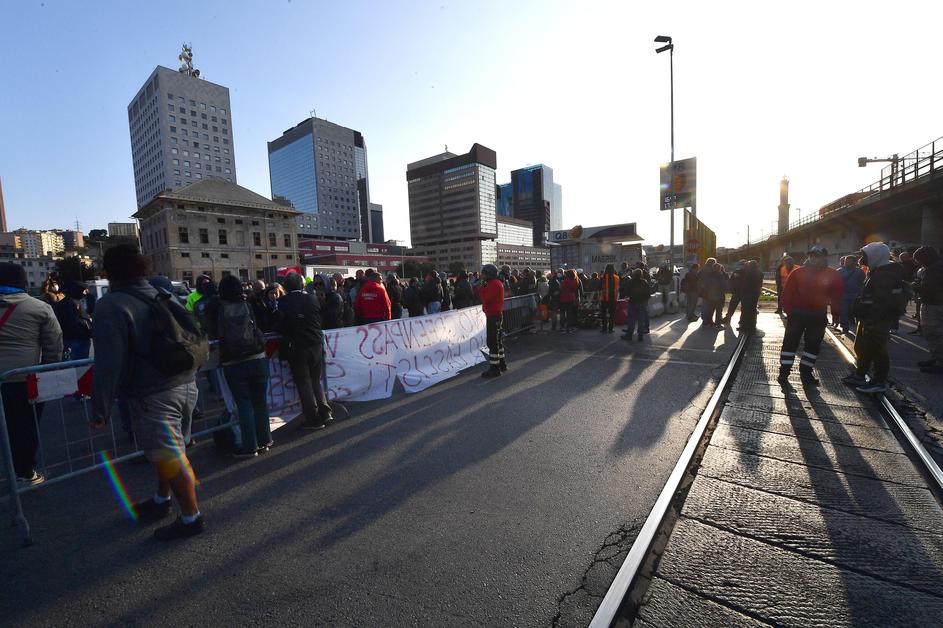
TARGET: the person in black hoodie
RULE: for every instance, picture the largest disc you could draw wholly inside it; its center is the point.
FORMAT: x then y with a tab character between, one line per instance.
230	320
75	322
412	298
432	294
395	292
464	295
302	346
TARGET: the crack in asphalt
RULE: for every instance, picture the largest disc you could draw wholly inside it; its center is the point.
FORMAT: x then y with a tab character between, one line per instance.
607	559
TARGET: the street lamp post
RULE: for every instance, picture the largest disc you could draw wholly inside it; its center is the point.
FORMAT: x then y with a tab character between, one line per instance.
669	46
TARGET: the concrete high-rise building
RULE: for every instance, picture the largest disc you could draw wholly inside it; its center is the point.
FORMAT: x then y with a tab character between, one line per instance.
321	169
452	207
40	243
556	208
181	132
532	194
72	239
3	211
123	229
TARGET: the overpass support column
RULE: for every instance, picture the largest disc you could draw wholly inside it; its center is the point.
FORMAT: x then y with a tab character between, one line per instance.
931	226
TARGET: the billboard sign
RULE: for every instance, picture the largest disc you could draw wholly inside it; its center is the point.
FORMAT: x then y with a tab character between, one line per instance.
625	232
678	184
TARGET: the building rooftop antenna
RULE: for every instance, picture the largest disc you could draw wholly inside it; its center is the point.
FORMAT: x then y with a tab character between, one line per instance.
186	61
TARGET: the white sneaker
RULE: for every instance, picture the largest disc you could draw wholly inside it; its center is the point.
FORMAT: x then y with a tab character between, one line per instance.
36	478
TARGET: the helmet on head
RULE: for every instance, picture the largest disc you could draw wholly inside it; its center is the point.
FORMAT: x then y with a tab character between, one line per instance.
490	271
818	249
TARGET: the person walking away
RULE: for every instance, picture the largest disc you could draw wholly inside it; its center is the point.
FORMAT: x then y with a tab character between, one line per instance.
806	297
29	335
553	294
395	292
413	298
608	298
569	301
302	346
713	288
446	293
852	282
74	321
543	298
639	295
663	277
492	304
882	302
734	285
929	286
751	285
785	268
464	296
373	303
432	294
690	288
625	278
149	352
230	320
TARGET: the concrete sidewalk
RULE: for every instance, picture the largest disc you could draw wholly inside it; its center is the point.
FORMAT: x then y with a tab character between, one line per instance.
805	511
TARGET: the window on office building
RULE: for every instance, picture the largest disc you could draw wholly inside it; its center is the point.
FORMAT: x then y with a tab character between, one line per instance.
223	237
204	236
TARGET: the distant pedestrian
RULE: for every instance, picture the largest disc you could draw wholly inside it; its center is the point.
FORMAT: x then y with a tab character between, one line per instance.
464	296
149	350
395	291
785	268
608	298
639	295
852	282
230	320
432	294
302	346
569	301
750	285
734	287
807	294
492	304
929	285
29	335
713	286
690	287
553	295
75	322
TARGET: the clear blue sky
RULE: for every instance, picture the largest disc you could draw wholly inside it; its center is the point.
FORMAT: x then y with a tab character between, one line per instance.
802	89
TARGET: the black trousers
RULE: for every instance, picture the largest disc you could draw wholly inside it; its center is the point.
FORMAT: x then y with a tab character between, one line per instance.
306	369
748	310
799	325
24	440
607	313
734	302
495	342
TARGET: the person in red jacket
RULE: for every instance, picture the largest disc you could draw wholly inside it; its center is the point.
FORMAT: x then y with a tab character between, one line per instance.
806	295
492	304
373	303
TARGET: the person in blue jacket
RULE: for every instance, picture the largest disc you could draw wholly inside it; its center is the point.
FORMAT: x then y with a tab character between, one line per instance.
853	278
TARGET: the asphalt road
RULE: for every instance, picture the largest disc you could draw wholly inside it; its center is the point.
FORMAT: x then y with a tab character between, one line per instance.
505	502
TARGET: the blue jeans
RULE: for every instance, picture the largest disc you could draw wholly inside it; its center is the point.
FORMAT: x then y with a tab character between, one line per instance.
638	318
248	382
78	348
433	307
847	318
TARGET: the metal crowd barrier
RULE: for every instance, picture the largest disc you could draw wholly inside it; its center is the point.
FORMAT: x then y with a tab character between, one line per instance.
519	313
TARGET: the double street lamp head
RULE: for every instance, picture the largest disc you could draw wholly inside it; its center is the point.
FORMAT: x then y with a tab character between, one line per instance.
664	39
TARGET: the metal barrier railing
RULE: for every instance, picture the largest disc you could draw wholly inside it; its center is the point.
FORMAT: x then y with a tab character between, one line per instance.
69	446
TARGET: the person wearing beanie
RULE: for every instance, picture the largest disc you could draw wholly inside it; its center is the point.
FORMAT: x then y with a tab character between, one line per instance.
29	335
75	322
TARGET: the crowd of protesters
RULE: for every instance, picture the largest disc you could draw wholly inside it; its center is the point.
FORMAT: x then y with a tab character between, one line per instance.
156	343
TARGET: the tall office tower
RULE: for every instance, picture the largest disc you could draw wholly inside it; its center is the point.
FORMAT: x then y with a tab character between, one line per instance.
180	131
556	208
503	201
533	198
321	168
452	207
3	211
376	224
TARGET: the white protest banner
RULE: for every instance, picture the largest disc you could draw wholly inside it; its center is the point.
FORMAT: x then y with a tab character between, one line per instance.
363	362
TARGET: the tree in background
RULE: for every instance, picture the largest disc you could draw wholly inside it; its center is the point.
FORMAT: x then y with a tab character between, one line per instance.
456	267
72	269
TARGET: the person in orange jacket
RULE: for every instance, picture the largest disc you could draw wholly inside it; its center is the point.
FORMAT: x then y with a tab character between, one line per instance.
373	303
492	304
608	298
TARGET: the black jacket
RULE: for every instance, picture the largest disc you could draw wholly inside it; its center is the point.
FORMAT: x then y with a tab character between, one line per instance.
749	282
431	291
639	291
299	323
464	295
75	322
930	284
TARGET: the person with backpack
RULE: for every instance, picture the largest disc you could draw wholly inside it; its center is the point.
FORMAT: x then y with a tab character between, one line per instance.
75	322
29	335
807	294
882	302
302	346
231	321
149	350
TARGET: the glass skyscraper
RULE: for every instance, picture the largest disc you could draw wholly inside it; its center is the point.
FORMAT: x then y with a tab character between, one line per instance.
321	168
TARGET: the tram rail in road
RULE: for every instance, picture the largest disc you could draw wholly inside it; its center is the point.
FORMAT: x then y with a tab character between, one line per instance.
658	525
